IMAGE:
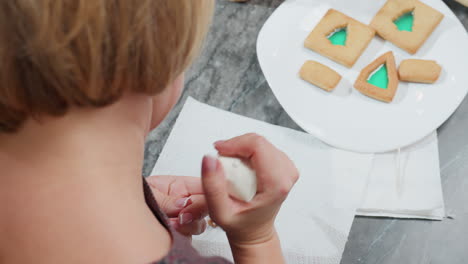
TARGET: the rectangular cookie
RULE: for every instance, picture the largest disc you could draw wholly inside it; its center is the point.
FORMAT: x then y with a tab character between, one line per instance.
319	75
425	20
358	37
420	71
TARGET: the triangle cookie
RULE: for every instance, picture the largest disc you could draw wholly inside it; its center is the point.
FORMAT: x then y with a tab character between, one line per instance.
340	38
379	80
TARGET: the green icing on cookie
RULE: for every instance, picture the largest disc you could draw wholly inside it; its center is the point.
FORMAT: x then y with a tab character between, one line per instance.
379	77
338	37
405	22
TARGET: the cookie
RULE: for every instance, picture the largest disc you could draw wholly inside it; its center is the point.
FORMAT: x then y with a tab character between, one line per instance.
406	23
379	80
340	38
319	75
421	71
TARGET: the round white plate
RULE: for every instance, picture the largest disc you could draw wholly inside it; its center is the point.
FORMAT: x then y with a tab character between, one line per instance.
345	118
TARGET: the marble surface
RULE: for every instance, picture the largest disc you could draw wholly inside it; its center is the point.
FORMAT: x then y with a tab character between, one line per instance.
227	75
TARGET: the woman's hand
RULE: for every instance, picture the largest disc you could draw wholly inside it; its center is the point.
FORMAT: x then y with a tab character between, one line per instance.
249	223
182	200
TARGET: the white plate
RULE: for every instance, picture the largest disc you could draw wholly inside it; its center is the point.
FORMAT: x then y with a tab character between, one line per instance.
345	118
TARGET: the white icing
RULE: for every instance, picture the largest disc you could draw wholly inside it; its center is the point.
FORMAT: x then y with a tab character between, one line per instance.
242	180
336	30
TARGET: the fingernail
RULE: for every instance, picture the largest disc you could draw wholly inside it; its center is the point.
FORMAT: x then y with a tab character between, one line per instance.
185	218
219	142
209	164
183	202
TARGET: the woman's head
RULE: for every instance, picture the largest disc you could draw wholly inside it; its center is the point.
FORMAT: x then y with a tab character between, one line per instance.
55	54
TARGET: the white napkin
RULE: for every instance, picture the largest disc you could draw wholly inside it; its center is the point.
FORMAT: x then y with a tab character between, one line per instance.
316	218
406	183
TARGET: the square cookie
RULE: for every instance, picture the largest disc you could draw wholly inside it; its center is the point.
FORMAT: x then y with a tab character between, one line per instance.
358	37
363	83
319	75
420	71
425	20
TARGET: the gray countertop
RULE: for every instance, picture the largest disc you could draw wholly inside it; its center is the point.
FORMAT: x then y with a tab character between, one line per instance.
227	75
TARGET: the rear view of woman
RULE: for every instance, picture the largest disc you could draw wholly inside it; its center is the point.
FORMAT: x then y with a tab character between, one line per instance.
81	85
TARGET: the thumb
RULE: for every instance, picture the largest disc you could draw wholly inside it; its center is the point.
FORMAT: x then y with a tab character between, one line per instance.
215	189
171	205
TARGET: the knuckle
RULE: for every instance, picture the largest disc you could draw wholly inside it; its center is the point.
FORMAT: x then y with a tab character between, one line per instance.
165	204
260	141
283	190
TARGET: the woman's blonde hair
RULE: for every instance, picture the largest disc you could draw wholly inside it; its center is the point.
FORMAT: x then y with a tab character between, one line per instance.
60	53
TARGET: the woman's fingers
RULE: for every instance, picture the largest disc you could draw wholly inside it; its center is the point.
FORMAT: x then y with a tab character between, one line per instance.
187	209
193	228
197	210
252	147
261	155
191	219
170	205
243	146
215	189
176	185
174	193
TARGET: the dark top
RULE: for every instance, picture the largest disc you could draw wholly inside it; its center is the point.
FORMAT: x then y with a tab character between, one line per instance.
181	251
